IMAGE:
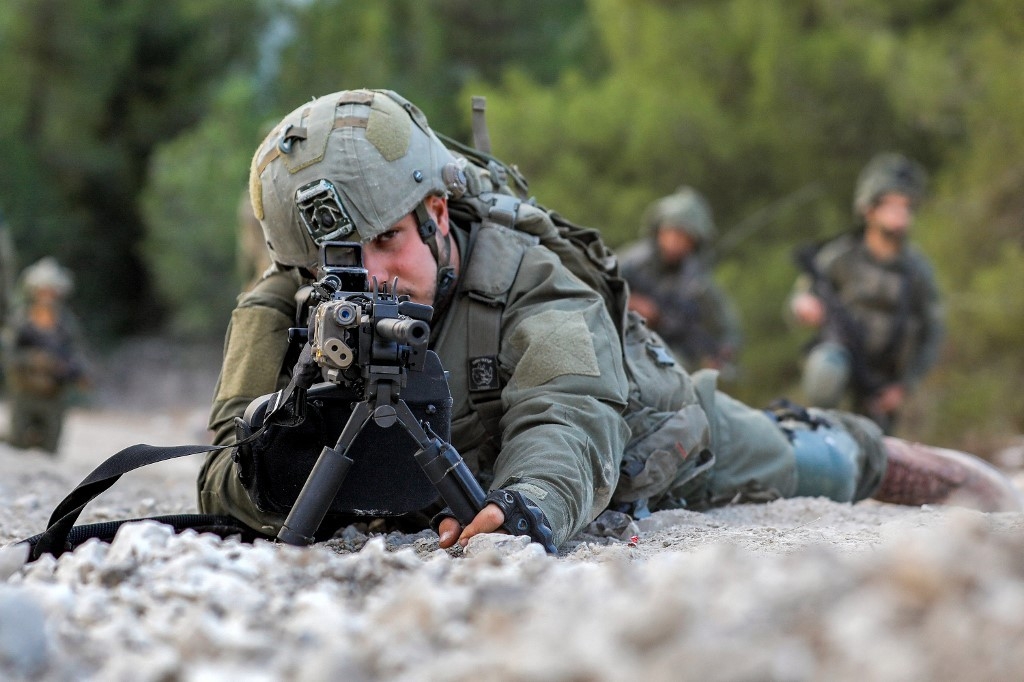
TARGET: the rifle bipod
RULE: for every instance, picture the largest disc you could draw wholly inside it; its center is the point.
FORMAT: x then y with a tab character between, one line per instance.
440	462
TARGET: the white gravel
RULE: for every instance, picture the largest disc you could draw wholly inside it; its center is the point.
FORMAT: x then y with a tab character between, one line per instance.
800	589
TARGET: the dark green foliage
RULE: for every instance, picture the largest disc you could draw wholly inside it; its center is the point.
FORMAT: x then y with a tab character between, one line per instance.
752	101
127	127
89	89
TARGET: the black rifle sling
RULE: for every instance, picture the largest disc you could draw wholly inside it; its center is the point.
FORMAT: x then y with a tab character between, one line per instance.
60	530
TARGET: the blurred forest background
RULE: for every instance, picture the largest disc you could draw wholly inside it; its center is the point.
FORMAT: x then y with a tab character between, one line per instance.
127	126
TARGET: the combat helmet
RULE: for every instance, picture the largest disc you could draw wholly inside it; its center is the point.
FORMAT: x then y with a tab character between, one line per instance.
348	166
885	173
685	209
47	273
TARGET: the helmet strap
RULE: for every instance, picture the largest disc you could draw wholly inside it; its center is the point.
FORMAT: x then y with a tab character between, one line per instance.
441	248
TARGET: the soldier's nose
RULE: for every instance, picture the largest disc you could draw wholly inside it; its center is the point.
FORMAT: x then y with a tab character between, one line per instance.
376	267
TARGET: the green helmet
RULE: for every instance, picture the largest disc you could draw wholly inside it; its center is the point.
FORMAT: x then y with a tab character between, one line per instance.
889	173
47	273
685	209
346	166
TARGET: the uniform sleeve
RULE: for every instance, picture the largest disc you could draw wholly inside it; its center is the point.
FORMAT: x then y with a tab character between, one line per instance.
563	433
254	353
932	327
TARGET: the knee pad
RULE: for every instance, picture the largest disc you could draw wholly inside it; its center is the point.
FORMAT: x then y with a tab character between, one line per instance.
826	374
826	455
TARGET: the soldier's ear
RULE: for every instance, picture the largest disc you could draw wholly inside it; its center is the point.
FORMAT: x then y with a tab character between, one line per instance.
437	207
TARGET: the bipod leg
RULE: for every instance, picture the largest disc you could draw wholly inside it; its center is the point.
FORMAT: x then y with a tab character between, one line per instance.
323	483
444	467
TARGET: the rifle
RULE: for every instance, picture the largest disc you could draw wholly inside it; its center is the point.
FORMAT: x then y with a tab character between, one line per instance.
371	347
848	329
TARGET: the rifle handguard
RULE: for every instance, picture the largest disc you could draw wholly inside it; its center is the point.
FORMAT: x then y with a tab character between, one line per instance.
522	517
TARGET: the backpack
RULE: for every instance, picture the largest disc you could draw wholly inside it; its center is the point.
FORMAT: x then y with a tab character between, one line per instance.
659	426
494	192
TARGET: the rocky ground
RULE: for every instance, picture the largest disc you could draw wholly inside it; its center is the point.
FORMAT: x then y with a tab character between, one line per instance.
800	589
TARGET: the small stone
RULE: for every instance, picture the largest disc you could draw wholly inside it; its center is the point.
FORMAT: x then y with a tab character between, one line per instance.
12	558
24	647
497	543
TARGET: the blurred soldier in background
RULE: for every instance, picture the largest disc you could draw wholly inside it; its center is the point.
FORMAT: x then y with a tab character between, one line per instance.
8	267
874	299
672	287
42	354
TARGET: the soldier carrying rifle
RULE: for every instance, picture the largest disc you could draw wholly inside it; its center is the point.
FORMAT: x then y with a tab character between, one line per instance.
872	296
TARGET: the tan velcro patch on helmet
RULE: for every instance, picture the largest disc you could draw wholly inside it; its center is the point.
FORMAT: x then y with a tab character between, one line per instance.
255	348
256	195
555	343
355	97
255	171
389	128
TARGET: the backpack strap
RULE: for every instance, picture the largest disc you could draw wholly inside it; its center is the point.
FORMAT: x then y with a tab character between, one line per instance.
486	283
501	209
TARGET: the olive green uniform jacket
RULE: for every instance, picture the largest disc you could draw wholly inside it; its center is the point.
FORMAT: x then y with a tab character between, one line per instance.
561	429
575	431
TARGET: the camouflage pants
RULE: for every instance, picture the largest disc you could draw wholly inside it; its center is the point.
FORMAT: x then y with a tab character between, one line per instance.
828	380
750	458
36	422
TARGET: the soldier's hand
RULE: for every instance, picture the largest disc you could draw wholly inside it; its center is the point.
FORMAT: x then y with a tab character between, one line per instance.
889	399
487	520
808	310
645	306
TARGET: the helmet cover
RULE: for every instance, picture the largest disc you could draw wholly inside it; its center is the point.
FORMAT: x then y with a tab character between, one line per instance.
348	165
47	273
889	173
686	210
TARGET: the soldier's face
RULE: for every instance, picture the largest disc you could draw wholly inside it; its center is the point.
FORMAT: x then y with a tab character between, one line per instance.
674	245
892	215
399	252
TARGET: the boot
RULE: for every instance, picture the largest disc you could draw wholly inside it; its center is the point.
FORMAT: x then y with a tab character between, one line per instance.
921	474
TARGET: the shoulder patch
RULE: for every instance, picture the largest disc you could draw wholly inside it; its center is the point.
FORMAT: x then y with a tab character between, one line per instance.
554	343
